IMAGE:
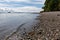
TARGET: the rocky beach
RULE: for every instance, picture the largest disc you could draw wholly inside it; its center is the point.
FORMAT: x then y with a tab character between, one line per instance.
49	26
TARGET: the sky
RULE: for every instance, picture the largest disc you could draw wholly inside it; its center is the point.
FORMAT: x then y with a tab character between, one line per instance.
22	5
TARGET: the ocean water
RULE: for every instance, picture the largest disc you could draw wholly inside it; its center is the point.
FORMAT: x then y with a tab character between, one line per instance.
9	22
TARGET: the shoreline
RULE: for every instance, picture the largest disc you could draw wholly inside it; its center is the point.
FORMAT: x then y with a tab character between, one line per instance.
48	27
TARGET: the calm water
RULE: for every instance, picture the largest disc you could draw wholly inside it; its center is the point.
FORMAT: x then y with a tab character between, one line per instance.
9	22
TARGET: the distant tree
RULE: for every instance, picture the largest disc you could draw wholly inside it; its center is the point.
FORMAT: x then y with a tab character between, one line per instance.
52	5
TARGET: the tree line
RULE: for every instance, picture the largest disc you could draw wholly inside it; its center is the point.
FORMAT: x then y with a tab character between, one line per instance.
51	5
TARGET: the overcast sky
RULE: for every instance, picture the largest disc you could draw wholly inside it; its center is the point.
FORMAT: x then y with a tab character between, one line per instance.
22	5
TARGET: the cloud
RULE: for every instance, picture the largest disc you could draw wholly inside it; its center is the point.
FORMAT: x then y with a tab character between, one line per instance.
29	9
10	5
27	1
5	5
22	5
24	9
37	1
13	0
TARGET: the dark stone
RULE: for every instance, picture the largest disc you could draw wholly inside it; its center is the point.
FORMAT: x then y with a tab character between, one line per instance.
21	39
40	33
58	14
58	39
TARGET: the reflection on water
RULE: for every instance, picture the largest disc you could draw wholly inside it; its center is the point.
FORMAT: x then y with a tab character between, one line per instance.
10	22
